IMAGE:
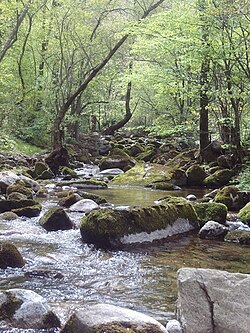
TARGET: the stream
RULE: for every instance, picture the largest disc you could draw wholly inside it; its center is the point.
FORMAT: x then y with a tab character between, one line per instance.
142	278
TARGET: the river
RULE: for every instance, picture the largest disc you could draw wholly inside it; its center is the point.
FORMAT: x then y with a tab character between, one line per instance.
142	278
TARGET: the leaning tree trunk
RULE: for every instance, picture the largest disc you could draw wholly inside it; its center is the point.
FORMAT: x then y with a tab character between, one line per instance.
111	130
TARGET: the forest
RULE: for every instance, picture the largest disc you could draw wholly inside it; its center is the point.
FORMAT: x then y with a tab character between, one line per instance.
167	67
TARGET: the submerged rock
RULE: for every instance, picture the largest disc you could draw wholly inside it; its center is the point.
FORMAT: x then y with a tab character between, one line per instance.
26	309
102	318
238	236
56	219
213	301
111	228
10	256
174	326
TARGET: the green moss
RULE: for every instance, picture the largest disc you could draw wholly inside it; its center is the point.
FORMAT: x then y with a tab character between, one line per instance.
166	186
97	198
195	175
104	227
244	214
211	211
219	178
19	187
227	195
84	183
69	171
28	211
10	306
11	205
142	174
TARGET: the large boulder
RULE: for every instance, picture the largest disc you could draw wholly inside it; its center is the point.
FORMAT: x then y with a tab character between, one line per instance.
195	175
107	228
232	197
101	318
208	211
26	309
8	178
213	301
10	256
219	178
56	219
117	161
244	214
19	187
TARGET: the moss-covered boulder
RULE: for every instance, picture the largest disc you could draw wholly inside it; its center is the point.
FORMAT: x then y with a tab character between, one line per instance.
56	219
27	310
69	171
238	236
69	200
231	197
165	186
116	161
27	207
107	228
147	155
8	216
107	318
210	211
179	177
20	187
10	256
85	183
219	178
95	197
244	214
195	175
143	174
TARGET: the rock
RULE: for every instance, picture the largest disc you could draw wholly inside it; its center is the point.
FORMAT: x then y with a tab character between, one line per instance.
69	200
121	162
25	207
16	196
57	158
227	161
238	236
42	273
19	187
210	211
84	205
165	186
97	198
179	178
195	175
8	216
108	228
191	197
69	171
56	219
244	214
213	230
7	178
10	256
110	172
219	178
106	318
174	326
213	301
26	309
231	197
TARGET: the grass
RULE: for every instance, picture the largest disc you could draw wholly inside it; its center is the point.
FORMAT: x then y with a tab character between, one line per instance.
16	146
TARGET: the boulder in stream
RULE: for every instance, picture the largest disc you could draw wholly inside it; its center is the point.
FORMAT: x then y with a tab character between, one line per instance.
10	256
56	219
208	211
111	228
26	309
213	230
84	205
101	318
244	214
212	301
27	207
219	178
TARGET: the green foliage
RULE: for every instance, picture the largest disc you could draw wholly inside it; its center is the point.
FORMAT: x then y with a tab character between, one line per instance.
244	179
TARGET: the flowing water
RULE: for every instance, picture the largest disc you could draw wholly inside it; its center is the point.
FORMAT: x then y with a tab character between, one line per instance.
143	279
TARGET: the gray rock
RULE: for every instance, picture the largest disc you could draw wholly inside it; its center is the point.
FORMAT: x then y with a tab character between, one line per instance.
174	326
10	256
110	172
26	309
8	178
213	301
110	318
84	205
213	230
191	197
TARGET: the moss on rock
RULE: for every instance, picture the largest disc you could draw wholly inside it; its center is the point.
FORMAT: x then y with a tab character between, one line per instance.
219	178
238	236
228	196
106	227
28	211
211	211
195	175
244	214
56	219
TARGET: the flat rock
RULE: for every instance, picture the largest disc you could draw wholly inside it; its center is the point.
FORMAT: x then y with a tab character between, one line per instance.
102	318
84	205
213	301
